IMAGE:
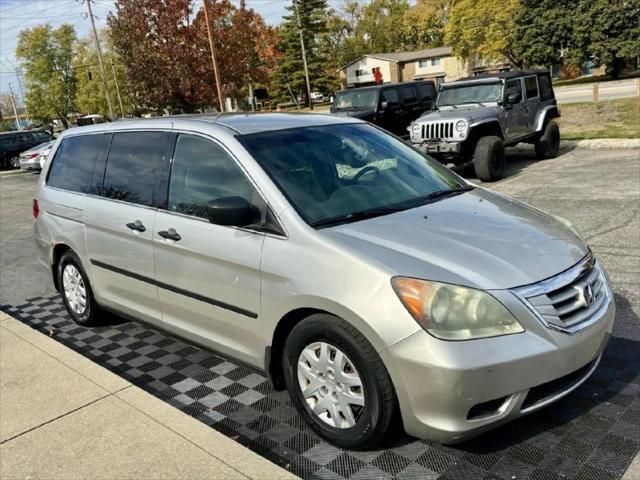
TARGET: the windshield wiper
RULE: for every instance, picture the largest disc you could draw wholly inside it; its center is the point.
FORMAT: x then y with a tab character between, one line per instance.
355	216
444	193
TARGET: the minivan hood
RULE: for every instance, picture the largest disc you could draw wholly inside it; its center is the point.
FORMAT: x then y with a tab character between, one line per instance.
478	239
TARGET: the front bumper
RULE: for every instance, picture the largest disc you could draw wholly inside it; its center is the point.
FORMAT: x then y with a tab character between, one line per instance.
440	147
453	391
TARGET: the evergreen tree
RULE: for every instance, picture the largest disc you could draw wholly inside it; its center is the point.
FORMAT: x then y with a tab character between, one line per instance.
289	76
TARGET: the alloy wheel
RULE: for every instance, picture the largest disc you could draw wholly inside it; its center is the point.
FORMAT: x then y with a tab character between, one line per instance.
331	385
74	289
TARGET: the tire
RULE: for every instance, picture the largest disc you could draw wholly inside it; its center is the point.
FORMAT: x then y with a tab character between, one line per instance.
14	162
69	264
548	144
369	423
489	159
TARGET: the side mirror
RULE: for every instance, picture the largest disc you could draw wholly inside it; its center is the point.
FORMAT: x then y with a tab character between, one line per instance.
230	211
513	97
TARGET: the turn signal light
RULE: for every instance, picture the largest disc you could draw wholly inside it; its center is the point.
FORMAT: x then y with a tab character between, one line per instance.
35	208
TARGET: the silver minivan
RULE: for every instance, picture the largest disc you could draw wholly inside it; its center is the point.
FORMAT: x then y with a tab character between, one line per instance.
367	279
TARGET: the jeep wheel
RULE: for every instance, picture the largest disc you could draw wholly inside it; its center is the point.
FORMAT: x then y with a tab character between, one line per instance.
548	144
489	159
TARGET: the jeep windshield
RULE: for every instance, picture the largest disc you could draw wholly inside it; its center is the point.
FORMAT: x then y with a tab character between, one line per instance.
469	93
348	172
356	100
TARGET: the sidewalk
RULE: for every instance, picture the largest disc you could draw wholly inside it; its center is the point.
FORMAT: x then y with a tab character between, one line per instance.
63	416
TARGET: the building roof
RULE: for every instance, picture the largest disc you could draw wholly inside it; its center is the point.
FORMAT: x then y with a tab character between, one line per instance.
402	57
509	74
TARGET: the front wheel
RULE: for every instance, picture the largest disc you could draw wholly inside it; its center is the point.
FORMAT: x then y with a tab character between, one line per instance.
338	382
489	159
14	162
548	145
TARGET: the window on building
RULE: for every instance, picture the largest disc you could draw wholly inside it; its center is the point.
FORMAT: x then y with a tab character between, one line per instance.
435	62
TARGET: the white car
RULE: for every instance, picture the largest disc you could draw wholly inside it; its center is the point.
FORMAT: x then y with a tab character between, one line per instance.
34	158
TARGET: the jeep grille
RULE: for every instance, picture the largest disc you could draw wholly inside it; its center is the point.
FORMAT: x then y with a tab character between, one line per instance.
437	130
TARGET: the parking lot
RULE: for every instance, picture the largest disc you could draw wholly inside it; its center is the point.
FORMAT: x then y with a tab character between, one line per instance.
597	190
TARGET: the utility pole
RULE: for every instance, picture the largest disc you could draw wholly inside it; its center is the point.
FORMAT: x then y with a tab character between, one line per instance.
213	53
115	80
102	74
21	90
304	56
15	111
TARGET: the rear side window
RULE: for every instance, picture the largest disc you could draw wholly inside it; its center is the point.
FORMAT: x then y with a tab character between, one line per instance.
136	161
74	161
427	91
546	92
409	94
42	136
390	95
531	86
202	171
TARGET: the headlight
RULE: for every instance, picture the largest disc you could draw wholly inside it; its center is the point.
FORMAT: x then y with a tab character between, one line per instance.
461	126
569	225
451	312
415	129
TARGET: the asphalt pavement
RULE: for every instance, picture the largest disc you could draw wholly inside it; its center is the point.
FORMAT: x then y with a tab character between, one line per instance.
607	91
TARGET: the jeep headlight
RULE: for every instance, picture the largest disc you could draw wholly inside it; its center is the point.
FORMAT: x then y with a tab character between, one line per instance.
415	129
461	126
451	312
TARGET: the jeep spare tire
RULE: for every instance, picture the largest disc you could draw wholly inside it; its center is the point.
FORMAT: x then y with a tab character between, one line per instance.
489	159
548	144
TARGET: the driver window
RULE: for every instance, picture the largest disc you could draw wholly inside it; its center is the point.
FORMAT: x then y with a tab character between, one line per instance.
389	95
201	172
514	86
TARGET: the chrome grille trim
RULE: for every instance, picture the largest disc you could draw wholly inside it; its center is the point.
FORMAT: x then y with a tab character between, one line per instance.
437	130
560	302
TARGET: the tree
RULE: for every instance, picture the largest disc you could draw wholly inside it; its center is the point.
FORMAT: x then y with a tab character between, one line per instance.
424	23
288	78
159	47
382	25
544	31
485	29
608	31
50	81
90	96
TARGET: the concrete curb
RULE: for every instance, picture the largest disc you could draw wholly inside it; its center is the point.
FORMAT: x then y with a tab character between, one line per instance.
591	144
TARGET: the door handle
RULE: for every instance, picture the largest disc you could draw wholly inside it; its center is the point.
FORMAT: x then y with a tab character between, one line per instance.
170	234
137	226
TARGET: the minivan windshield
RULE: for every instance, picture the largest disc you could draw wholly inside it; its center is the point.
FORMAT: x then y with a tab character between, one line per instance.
356	99
452	95
347	172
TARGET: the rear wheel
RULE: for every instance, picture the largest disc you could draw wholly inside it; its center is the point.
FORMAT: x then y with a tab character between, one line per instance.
14	162
75	289
489	159
338	382
548	144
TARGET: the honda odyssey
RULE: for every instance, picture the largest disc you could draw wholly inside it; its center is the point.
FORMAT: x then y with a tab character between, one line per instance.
362	276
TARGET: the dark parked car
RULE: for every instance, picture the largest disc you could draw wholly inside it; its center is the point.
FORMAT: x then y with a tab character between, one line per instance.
390	106
12	144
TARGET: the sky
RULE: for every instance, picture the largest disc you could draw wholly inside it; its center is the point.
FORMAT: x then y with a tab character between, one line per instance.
18	14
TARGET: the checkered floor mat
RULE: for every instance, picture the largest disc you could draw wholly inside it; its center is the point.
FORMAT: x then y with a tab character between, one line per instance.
594	433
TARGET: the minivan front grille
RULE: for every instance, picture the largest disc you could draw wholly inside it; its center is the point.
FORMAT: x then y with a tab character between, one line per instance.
570	301
437	130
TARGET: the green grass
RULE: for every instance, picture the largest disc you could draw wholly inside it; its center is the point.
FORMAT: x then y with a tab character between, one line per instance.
609	119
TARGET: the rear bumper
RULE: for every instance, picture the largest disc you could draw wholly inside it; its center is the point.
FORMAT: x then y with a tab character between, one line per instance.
453	391
31	164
